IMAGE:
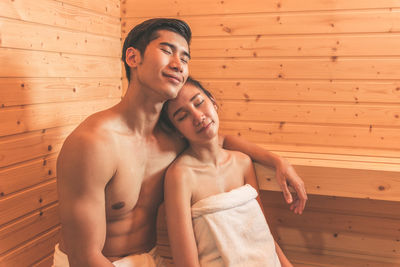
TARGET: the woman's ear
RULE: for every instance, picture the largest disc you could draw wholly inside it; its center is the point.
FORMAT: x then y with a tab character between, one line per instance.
133	57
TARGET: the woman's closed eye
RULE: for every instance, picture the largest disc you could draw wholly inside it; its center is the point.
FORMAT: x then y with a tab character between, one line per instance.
199	102
181	116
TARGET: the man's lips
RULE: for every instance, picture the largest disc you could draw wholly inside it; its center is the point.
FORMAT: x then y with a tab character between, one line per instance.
173	77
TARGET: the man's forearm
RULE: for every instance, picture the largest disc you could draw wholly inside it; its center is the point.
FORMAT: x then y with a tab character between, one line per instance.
255	152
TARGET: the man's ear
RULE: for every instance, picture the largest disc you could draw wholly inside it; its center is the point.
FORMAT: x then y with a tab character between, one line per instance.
133	57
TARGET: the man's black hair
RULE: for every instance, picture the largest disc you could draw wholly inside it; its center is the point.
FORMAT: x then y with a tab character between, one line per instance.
142	34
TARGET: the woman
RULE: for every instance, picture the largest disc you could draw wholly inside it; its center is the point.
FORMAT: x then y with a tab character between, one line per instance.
214	214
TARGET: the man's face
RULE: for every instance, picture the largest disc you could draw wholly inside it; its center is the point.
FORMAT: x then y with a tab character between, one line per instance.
164	65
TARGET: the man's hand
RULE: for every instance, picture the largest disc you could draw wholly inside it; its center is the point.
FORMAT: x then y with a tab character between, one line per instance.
287	177
285	173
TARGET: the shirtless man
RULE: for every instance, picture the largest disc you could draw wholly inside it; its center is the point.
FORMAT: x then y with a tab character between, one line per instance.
111	168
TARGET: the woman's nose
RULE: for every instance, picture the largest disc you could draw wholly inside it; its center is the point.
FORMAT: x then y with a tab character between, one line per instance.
198	117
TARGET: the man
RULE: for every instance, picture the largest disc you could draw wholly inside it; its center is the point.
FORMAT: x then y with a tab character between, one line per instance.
111	168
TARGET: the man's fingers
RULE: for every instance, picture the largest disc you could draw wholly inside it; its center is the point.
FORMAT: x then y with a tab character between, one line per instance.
286	193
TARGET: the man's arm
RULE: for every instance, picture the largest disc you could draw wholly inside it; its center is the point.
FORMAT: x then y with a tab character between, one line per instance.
284	172
83	170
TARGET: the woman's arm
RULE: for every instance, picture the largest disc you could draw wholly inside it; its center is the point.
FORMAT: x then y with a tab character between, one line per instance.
284	172
250	178
177	191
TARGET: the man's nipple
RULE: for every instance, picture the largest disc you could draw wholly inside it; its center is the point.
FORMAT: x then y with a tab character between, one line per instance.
118	205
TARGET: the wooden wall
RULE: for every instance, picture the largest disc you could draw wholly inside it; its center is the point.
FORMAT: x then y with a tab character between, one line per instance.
59	62
319	83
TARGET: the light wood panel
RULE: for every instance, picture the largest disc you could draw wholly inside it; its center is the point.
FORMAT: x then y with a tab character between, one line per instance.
209	7
24	91
27	174
30	118
33	251
28	227
106	7
61	63
297	91
24	202
303	68
341	182
55	13
375	115
347	226
299	134
33	36
23	63
320	22
32	145
299	45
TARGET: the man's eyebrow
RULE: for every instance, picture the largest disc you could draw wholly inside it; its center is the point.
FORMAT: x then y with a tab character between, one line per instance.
173	47
180	109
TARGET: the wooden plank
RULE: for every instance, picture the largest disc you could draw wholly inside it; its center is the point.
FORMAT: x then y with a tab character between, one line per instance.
324	220
33	251
298	134
44	116
27	174
337	205
25	91
320	22
343	114
209	7
24	63
19	148
302	257
299	68
55	13
45	262
24	202
371	44
106	7
305	90
341	182
390	155
33	36
19	232
390	162
342	243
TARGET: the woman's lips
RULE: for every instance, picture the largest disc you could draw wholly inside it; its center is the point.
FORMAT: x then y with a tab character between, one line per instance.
204	127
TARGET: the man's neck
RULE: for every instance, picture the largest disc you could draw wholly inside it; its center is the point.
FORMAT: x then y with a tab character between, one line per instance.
140	110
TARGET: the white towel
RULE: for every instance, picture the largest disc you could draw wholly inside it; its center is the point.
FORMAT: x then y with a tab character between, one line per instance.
150	259
231	230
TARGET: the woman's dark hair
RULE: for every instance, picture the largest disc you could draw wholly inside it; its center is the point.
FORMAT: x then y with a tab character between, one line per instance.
142	34
164	120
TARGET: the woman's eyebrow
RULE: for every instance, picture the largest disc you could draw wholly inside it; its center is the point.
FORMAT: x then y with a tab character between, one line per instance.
180	109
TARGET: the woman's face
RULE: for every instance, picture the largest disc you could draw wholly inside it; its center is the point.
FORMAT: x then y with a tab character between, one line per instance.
194	114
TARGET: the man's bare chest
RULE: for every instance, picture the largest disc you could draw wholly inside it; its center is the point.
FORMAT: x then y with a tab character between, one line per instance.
138	180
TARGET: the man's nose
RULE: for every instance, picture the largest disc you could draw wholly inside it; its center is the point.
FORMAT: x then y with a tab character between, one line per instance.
176	64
